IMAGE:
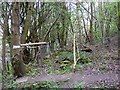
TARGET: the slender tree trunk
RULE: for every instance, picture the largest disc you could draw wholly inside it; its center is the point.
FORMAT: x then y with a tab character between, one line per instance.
86	34
101	23
4	42
88	18
74	51
79	26
4	48
118	28
91	23
95	16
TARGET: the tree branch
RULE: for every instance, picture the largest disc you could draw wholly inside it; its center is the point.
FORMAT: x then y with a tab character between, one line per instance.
50	28
86	10
1	24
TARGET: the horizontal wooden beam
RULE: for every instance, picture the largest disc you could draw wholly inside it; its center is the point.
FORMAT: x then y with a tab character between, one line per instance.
34	44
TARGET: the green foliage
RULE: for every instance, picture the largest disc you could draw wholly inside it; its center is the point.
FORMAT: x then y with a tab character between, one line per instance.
11	84
79	66
31	70
33	86
63	62
79	85
82	55
98	36
62	70
8	79
0	77
32	73
10	71
45	84
99	87
83	59
103	67
66	69
62	82
65	55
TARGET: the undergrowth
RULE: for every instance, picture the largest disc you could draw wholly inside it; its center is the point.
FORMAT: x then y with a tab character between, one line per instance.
62	63
33	86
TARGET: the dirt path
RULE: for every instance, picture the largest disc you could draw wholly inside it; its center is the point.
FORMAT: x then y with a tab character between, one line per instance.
72	78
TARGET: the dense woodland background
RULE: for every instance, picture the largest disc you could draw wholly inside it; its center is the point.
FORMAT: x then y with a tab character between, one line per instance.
65	26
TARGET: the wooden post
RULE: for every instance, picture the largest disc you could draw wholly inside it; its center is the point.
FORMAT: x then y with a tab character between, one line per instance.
74	52
39	53
40	48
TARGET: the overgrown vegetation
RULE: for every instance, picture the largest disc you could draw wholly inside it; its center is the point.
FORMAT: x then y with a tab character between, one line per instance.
33	86
63	62
78	85
57	37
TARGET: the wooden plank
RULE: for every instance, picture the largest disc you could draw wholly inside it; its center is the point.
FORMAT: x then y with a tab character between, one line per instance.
34	44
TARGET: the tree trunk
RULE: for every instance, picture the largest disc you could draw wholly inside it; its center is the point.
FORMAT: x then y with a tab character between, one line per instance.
101	23
3	50
91	23
4	41
79	26
5	28
118	28
74	52
27	23
95	16
86	34
17	62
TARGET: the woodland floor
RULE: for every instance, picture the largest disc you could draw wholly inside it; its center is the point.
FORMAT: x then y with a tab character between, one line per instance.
93	75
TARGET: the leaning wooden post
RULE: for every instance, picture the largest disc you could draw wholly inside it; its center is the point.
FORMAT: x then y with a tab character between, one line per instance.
74	52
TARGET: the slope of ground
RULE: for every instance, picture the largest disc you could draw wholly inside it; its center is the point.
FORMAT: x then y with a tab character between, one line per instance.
103	70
